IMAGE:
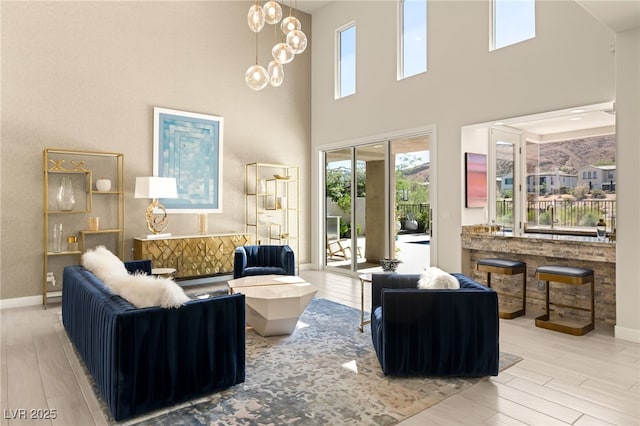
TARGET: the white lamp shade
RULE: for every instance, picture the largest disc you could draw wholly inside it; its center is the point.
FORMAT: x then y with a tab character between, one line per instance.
156	187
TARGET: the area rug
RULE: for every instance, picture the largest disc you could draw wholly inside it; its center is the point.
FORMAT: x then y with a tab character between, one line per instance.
326	372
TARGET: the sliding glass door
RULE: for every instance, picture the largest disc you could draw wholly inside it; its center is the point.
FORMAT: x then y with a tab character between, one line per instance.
411	184
355	206
376	205
338	172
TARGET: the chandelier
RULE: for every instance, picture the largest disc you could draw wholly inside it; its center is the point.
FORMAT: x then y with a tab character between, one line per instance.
293	42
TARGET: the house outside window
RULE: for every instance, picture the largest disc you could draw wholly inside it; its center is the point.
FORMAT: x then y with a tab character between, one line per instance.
346	61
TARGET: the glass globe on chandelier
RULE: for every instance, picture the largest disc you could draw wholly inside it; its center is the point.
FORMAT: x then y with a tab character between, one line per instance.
273	12
256	18
275	73
289	24
256	76
282	53
297	40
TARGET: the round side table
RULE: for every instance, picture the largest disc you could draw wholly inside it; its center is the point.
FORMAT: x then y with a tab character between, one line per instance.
364	278
163	272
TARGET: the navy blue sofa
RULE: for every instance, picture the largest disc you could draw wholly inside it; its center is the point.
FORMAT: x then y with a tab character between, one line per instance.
263	260
434	332
145	359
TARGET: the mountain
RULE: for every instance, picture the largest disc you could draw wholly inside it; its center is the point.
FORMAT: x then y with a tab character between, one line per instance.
572	155
569	156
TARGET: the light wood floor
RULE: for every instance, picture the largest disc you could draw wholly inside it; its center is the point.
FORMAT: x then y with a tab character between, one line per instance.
562	380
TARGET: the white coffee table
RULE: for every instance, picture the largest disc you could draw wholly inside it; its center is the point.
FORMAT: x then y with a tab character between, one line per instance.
274	302
261	280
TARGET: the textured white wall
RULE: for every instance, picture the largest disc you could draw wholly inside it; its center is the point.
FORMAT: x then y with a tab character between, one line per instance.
87	75
568	63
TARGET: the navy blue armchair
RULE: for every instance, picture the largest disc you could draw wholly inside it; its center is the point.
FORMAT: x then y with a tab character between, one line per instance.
263	260
434	332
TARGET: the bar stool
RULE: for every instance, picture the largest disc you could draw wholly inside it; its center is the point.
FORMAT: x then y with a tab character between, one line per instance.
506	267
566	275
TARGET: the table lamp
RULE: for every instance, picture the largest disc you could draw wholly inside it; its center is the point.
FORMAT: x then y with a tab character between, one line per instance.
155	187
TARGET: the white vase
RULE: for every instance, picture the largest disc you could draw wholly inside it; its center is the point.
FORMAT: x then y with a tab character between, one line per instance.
103	185
262	186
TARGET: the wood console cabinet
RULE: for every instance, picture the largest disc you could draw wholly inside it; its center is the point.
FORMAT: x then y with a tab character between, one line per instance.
191	256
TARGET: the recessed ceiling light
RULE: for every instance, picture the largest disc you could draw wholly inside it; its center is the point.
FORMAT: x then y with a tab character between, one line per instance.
576	118
577	111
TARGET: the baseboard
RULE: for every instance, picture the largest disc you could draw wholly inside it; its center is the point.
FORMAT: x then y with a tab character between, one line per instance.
629	334
20	302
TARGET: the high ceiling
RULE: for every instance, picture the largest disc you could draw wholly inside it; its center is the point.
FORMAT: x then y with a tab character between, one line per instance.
619	15
308	6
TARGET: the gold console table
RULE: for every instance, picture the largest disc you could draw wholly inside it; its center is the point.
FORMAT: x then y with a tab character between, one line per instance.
191	256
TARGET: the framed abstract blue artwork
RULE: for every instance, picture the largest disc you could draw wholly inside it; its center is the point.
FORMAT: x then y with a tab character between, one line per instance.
188	146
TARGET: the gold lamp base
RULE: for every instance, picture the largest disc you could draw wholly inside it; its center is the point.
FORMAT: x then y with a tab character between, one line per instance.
156	222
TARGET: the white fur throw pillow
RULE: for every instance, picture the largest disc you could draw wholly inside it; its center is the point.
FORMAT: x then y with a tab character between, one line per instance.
103	263
143	291
434	277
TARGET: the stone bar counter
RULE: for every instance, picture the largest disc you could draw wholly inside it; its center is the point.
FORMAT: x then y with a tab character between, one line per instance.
547	249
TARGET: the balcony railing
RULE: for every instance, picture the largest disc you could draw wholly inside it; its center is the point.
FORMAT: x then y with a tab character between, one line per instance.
566	213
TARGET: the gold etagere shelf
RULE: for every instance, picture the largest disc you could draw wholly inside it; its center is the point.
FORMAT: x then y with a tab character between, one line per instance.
272	197
80	167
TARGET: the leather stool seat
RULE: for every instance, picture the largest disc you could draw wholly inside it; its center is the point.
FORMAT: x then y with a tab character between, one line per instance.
506	267
566	275
501	263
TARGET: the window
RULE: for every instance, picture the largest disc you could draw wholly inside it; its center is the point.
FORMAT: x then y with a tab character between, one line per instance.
413	38
583	198
346	61
513	21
